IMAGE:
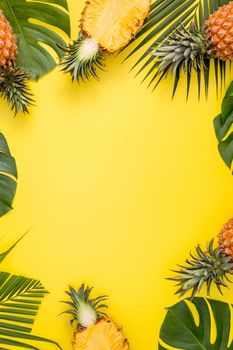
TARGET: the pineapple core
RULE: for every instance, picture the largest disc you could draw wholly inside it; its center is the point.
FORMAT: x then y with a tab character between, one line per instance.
104	335
113	23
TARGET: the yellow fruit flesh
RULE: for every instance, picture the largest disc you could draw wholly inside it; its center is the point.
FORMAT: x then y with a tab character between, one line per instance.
104	335
113	23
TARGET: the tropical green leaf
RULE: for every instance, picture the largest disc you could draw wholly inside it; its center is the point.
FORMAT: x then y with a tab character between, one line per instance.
20	299
190	326
166	16
223	124
8	177
5	253
30	20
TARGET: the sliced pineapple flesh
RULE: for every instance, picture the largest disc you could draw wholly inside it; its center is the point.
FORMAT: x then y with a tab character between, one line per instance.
113	23
104	335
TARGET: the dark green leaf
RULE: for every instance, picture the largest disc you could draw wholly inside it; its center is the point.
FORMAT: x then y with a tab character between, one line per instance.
19	301
28	20
188	330
222	125
165	16
8	177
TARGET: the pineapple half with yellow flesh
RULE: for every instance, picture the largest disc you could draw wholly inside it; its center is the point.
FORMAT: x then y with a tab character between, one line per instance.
13	80
210	266
95	330
107	26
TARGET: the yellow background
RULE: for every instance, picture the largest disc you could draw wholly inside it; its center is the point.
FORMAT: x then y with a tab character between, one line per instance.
119	184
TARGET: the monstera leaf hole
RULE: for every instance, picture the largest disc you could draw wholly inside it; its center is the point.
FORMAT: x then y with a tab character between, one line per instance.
36	22
198	324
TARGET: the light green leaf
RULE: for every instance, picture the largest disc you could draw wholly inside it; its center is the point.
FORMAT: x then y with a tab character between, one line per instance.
29	21
188	325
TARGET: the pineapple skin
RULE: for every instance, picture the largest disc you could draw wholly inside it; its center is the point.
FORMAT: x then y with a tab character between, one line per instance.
8	46
103	335
219	31
225	238
113	23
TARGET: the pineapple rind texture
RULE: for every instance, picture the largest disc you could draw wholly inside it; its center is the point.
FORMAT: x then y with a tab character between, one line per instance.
113	23
104	335
226	238
8	46
191	47
219	30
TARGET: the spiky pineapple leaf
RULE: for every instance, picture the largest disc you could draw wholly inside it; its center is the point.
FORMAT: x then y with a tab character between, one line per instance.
182	330
8	177
29	20
165	16
223	124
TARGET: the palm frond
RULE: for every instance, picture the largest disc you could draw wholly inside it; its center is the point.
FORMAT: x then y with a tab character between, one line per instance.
166	16
4	254
20	299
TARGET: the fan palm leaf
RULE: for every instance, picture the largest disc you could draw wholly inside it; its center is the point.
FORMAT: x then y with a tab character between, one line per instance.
20	299
166	16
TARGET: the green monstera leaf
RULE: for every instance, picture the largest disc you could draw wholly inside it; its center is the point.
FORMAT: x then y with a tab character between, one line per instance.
8	177
223	125
192	325
29	20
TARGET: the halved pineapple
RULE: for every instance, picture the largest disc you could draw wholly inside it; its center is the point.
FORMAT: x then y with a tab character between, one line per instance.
107	26
104	335
95	330
113	23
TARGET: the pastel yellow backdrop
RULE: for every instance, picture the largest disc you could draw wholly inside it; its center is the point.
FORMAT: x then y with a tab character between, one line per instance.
119	184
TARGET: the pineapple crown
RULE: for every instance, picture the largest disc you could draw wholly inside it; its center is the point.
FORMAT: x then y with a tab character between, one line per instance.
185	48
81	58
207	267
85	311
14	89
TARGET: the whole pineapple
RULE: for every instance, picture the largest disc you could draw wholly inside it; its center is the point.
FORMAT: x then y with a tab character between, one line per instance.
8	47
188	47
209	266
95	330
106	27
13	80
